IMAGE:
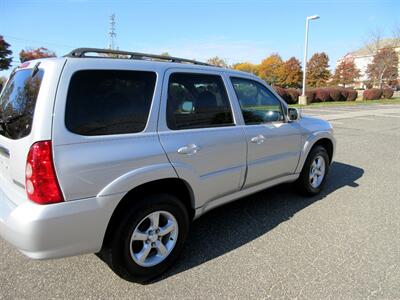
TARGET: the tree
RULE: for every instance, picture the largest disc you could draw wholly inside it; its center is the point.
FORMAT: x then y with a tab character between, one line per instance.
384	67
290	73
269	69
346	73
317	70
5	54
30	54
165	54
246	67
216	61
2	82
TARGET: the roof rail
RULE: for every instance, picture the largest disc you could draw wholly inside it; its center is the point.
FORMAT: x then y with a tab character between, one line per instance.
82	52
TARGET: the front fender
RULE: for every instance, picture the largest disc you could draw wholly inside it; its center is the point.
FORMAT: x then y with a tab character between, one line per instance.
310	141
136	177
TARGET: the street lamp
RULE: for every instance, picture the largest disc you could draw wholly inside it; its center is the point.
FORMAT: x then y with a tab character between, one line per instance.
303	98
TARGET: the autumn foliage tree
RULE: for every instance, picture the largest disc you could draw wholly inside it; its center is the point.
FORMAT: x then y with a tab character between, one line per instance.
290	73
5	54
346	73
317	70
246	67
30	54
270	69
384	67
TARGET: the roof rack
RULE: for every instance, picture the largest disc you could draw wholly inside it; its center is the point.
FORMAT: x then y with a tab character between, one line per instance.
82	52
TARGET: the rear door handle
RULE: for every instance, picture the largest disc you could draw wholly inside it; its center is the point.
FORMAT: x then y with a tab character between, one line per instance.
259	139
189	149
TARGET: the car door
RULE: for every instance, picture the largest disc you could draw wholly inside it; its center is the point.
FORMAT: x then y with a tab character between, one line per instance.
273	143
198	131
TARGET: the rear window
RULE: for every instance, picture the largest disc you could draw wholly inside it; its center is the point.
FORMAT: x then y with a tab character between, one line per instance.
103	102
17	103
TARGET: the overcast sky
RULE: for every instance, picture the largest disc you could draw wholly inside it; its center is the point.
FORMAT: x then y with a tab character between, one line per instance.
234	30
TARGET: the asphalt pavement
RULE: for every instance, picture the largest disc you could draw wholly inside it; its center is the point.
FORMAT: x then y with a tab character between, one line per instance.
342	244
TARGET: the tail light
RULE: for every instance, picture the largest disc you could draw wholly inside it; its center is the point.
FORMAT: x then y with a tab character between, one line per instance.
40	177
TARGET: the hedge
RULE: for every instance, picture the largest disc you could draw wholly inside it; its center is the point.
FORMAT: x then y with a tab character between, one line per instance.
322	95
352	95
291	95
336	94
372	94
387	93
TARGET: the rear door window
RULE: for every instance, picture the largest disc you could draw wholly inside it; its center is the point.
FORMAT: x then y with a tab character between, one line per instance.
105	102
17	103
197	101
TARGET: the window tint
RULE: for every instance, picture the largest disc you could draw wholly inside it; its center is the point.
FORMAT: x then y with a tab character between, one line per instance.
104	102
258	104
197	101
17	103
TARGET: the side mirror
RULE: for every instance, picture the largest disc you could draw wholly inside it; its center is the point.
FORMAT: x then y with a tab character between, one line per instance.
293	114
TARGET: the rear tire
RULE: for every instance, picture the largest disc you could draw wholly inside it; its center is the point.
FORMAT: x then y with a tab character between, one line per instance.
314	173
141	249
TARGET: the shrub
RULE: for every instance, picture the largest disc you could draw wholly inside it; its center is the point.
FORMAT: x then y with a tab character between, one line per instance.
293	95
372	94
310	94
282	92
344	92
322	95
387	93
335	94
352	95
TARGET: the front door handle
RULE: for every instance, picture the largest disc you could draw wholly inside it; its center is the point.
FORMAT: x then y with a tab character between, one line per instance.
189	149
259	139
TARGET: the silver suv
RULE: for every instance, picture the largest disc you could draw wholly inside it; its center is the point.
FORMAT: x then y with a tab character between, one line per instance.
118	155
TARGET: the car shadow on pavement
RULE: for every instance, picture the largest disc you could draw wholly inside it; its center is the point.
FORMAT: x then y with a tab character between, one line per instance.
233	225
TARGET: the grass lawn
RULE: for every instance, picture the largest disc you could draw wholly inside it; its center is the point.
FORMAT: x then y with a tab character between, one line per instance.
349	103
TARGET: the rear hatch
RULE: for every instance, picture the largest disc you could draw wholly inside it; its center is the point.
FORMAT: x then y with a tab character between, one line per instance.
19	101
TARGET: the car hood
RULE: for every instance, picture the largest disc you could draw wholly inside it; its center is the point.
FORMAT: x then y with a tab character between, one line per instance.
312	124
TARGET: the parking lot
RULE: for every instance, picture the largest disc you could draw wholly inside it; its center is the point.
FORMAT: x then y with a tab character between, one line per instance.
342	244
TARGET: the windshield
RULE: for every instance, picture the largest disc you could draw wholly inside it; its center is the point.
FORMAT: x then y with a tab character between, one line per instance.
17	103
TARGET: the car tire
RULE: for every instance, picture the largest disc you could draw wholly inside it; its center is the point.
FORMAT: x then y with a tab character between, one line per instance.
314	173
124	252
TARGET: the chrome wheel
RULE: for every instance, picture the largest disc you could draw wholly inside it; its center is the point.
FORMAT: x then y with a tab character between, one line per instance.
154	238
317	171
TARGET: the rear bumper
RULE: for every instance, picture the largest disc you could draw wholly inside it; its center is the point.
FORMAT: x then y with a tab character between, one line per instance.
56	230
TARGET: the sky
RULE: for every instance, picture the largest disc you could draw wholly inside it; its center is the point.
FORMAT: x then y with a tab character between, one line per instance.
231	29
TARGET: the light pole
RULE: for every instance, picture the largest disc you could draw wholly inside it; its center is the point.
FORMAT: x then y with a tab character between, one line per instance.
303	98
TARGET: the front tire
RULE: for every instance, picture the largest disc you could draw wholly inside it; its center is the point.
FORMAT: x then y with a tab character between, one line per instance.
315	170
149	238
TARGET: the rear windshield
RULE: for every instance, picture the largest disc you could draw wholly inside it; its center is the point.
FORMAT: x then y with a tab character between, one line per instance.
17	103
104	102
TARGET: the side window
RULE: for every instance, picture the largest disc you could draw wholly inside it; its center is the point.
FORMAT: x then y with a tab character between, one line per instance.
197	101
257	103
103	102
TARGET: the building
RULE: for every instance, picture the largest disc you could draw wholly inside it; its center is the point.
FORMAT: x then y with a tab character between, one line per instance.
364	56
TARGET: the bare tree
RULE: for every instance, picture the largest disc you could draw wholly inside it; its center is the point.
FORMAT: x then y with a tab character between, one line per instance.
374	40
383	68
217	61
396	35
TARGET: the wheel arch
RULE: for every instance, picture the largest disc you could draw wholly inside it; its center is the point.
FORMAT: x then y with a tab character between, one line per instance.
175	186
327	144
323	139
